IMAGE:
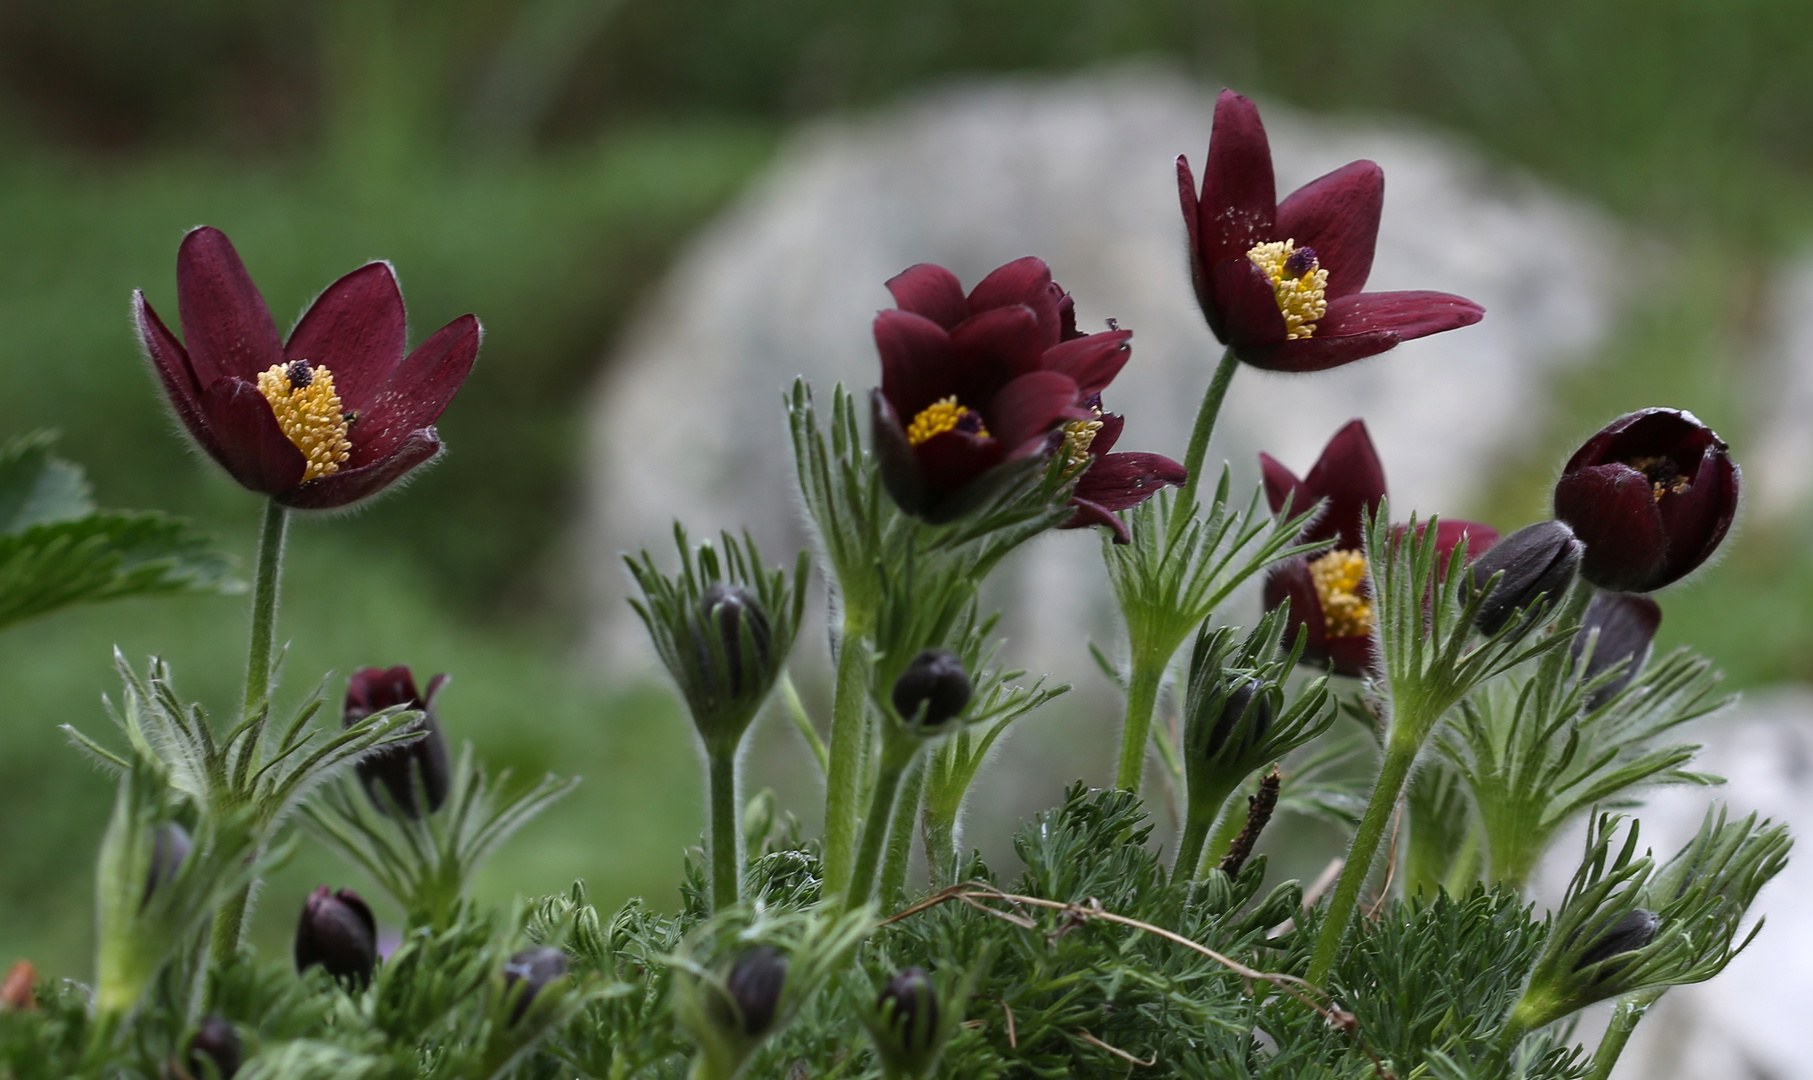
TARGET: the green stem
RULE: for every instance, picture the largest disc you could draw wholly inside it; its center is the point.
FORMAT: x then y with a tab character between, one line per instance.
1198	820
940	848
1142	699
900	833
726	831
894	764
1206	414
1228	824
1630	1010
849	720
1394	772
1465	870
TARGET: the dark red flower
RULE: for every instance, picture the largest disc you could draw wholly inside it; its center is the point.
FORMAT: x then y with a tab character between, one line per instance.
396	768
334	415
337	931
971	383
1328	593
1651	496
1112	482
1280	282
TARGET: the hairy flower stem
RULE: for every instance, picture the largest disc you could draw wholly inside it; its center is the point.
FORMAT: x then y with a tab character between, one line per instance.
726	831
940	847
898	752
849	743
1407	735
1148	672
1201	817
1206	413
229	921
1629	1011
900	833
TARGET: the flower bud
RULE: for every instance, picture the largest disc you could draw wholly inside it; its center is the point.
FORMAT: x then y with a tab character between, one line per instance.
1626	624
214	1052
396	769
754	984
337	931
1535	561
730	608
1629	934
906	1030
169	847
1235	710
932	690
535	968
1651	496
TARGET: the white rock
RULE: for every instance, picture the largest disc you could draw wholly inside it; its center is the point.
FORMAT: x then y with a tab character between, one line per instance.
687	422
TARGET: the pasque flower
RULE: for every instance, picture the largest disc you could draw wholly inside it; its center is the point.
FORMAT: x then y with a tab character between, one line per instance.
409	772
337	932
1651	496
1280	281
332	416
972	383
1327	592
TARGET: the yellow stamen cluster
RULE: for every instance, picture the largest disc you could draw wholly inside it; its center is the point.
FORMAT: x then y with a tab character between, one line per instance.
938	418
1664	477
1302	297
1078	436
308	410
1339	576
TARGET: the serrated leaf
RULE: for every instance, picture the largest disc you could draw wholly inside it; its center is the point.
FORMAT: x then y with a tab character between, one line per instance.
36	488
107	555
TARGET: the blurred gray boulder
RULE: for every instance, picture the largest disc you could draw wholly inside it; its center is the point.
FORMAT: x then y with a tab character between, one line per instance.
687	422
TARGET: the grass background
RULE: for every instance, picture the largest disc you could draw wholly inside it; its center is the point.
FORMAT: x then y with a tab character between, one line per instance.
539	160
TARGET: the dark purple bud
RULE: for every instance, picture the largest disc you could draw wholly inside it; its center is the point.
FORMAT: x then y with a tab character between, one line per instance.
1651	496
1626	624
755	983
1629	934
731	608
909	1012
214	1052
1538	563
399	770
169	847
932	691
337	932
1240	711
535	968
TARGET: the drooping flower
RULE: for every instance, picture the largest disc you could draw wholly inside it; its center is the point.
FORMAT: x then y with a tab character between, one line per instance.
408	773
332	416
932	691
1110	482
972	383
1280	282
1536	565
337	931
1328	591
1620	627
1652	496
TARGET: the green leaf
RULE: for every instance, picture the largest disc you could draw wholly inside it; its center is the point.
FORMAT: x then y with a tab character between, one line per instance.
36	488
108	555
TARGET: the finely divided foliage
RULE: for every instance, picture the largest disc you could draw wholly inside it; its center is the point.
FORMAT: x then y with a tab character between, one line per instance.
1448	718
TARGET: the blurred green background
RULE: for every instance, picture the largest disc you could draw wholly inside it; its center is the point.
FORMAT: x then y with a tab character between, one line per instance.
538	161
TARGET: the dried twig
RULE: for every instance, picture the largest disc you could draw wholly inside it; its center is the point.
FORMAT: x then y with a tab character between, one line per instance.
1259	807
1115	1050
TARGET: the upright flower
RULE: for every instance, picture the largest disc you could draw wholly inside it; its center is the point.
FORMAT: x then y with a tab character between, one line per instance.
1280	282
972	383
1651	496
1327	592
334	415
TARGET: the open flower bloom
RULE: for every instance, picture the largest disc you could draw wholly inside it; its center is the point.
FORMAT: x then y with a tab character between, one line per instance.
1280	282
972	383
1651	496
333	416
1110	482
1328	593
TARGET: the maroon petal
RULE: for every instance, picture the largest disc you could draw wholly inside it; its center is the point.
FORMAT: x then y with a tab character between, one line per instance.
1239	200
1122	481
950	460
1024	281
418	391
993	349
1612	510
1032	405
918	361
355	330
1088	513
1092	361
1696	520
931	291
1409	315
1248	304
1318	353
1186	198
1291	581
171	363
349	486
1338	216
1108	434
1351	656
894	456
1448	535
226	326
251	445
1351	477
1282	485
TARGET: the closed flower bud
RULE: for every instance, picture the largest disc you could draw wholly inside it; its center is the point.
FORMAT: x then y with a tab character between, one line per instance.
1240	709
1629	934
932	691
906	1025
337	932
407	773
535	968
1536	561
754	984
1626	624
730	608
169	847
1651	496
214	1052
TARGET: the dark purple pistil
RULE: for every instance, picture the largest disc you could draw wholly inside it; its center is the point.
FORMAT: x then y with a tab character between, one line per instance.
970	422
299	373
1299	262
1665	476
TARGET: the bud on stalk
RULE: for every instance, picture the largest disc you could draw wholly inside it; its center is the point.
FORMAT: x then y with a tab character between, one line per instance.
535	968
932	691
754	984
214	1051
170	845
1537	563
1626	624
408	772
337	932
906	1028
1629	934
